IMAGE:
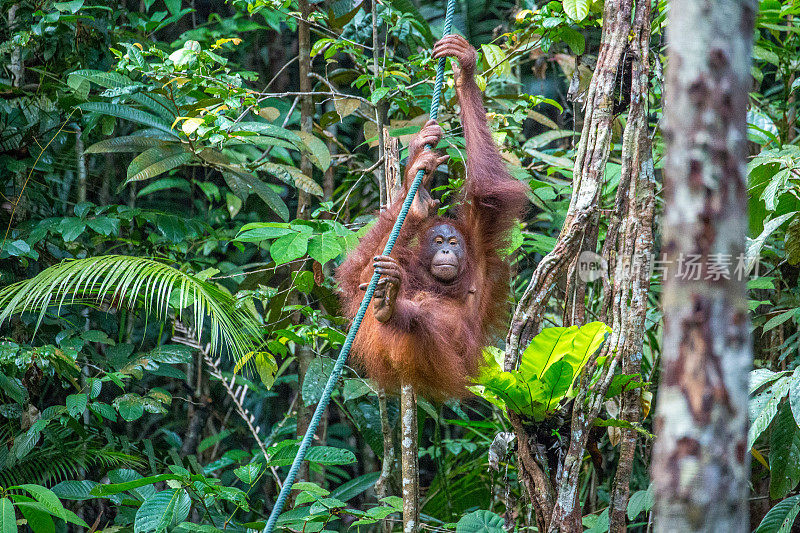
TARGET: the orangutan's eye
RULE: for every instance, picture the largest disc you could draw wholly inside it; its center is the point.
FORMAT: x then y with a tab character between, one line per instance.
439	240
453	241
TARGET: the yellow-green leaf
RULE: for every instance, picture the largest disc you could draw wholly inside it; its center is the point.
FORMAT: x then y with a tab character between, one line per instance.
576	9
190	125
316	150
496	59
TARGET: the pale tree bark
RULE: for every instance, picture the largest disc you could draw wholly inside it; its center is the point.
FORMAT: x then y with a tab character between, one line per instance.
381	108
409	457
628	249
700	460
555	494
389	462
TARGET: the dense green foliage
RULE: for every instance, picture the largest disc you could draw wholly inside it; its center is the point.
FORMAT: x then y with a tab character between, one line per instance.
162	276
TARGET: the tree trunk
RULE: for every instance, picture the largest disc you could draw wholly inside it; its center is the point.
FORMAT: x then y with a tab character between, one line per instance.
700	460
304	353
410	458
555	498
632	253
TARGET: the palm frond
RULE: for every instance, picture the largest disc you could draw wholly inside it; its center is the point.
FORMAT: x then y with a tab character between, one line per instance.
135	281
63	455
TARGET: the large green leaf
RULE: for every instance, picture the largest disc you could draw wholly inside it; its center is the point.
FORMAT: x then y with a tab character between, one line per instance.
75	490
290	247
480	522
408	7
45	497
264	191
315	379
324	247
157	160
39	520
573	344
130	143
557	379
780	518
8	521
293	176
121	84
526	397
264	128
354	487
764	407
128	113
794	394
323	455
162	510
784	454
547	371
316	150
576	9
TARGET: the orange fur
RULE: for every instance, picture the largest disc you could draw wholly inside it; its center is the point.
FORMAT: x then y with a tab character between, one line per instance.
437	332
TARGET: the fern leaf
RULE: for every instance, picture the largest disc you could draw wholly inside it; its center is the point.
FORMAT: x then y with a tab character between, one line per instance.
135	281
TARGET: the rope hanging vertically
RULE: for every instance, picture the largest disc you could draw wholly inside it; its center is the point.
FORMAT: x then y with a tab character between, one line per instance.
362	310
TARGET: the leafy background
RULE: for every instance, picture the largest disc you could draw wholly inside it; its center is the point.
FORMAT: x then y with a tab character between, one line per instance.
167	314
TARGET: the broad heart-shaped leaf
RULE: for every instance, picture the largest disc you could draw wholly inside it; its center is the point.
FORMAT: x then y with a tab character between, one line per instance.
162	510
324	247
289	247
76	404
781	517
784	455
8	521
128	113
315	379
576	9
248	473
130	406
157	160
573	344
480	522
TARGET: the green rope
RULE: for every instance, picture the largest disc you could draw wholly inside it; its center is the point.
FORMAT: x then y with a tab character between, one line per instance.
348	343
